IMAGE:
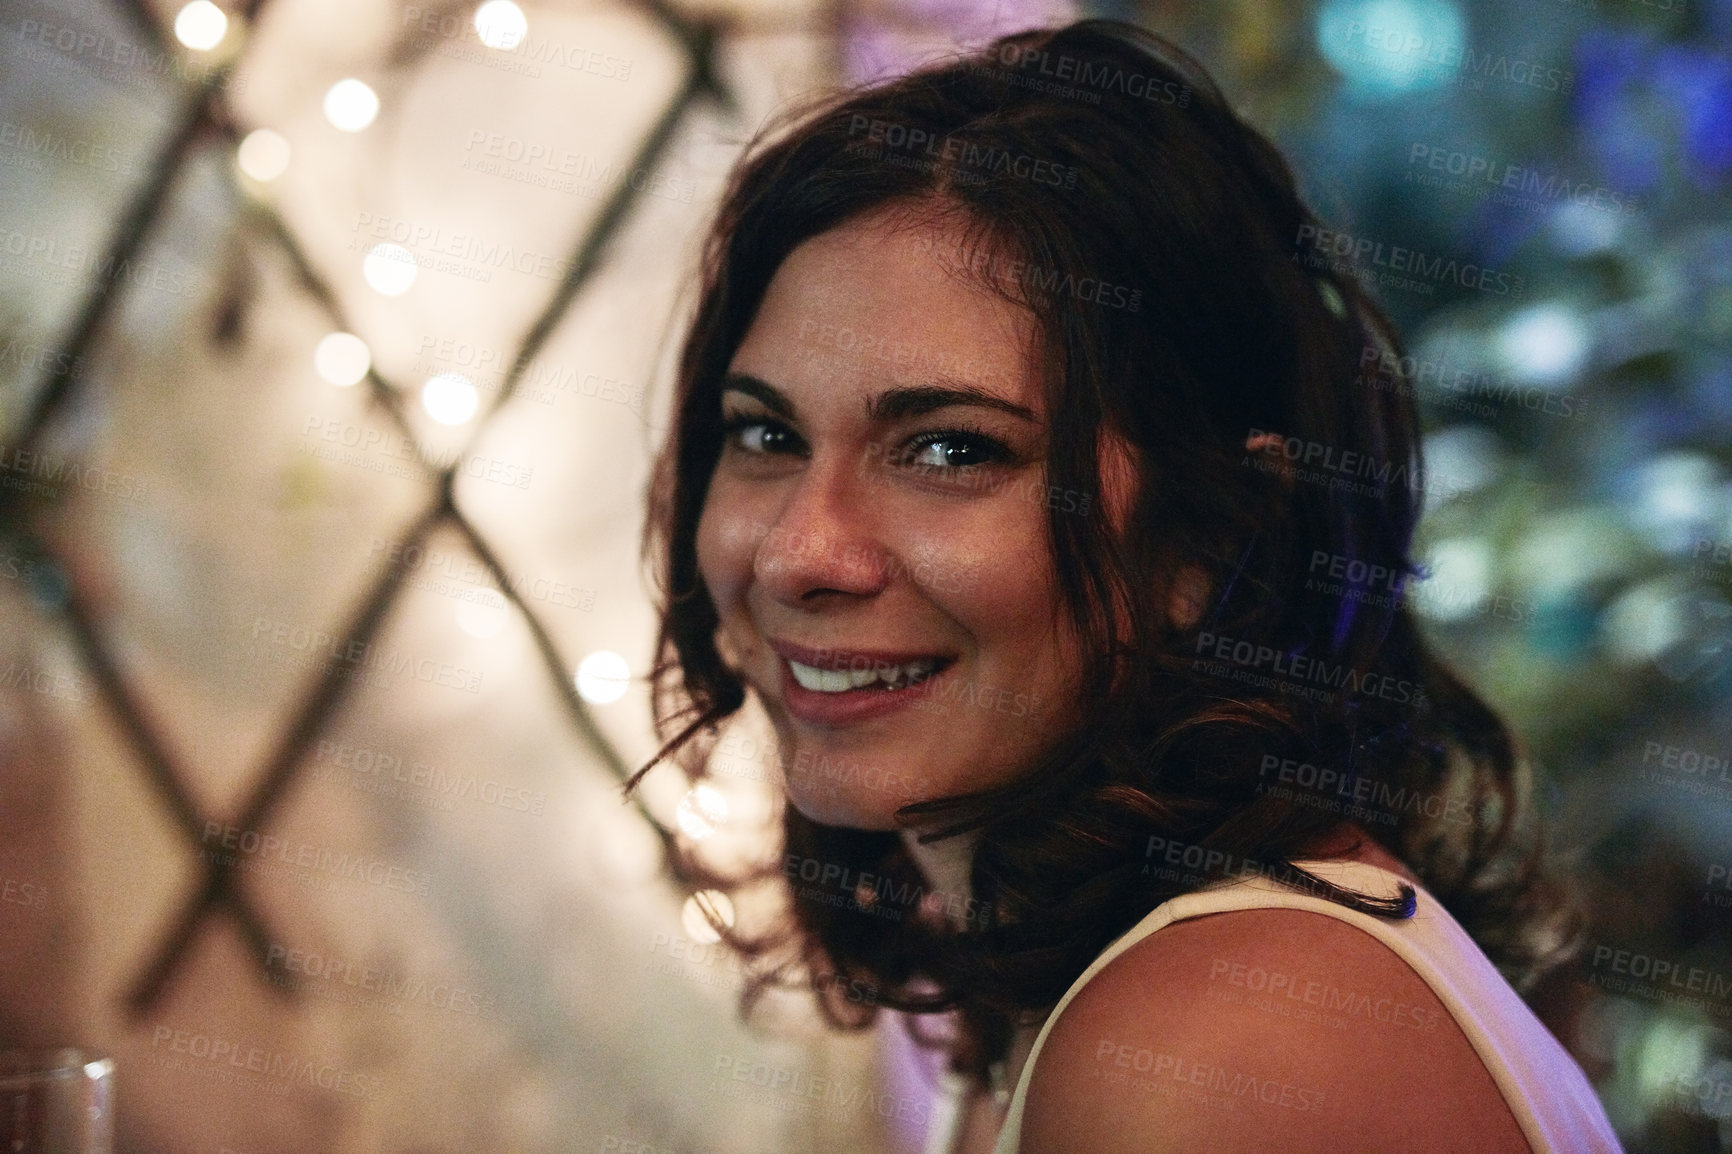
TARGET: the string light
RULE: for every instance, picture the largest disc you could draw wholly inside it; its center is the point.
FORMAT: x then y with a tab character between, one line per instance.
450	398
501	24
389	269
602	677
263	155
350	105
201	25
700	811
342	359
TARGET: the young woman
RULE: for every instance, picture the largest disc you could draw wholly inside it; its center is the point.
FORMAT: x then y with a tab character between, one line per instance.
1053	497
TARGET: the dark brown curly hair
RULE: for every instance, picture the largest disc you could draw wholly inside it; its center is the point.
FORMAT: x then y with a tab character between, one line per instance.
1306	652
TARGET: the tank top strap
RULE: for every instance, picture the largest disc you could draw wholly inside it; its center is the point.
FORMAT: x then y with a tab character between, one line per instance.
1521	1055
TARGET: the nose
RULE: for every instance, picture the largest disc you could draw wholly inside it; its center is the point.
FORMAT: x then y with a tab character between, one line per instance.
825	540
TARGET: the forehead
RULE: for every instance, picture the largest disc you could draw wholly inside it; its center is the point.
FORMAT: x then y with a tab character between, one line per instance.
883	300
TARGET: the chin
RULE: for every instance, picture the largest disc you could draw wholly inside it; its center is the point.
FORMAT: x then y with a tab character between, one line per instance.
842	807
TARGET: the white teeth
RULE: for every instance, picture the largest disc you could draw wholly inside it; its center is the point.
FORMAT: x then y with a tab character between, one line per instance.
842	680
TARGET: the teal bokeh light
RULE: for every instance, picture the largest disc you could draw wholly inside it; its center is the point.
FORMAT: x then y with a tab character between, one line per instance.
1385	48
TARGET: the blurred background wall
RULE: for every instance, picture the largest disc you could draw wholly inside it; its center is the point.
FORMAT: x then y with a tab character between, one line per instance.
334	342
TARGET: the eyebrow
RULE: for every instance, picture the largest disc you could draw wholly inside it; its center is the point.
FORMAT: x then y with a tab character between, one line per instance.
891	404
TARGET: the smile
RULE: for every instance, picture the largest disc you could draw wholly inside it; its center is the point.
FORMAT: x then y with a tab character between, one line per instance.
836	687
889	677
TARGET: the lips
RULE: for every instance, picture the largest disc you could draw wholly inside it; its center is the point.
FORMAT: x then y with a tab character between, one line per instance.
855	659
834	703
843	680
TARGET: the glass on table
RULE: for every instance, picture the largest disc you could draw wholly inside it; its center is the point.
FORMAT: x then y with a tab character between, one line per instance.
58	1100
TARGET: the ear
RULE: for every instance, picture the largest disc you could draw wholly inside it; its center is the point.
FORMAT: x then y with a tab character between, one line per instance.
1189	598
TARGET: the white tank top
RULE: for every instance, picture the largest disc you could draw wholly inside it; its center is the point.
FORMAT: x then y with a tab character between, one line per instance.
1546	1090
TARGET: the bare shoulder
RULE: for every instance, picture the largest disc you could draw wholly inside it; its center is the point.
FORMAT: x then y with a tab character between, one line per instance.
1258	1030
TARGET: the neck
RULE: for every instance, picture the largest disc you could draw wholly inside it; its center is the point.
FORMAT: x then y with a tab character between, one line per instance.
946	866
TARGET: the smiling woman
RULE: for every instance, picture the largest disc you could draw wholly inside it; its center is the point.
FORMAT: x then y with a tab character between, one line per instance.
982	484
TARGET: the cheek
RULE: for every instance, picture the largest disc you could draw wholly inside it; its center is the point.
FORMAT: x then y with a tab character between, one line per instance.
724	551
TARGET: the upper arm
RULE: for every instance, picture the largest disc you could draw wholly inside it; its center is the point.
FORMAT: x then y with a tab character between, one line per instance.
1179	1045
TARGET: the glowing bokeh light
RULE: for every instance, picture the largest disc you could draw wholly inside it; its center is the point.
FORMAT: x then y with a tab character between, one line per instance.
450	398
201	25
389	269
701	810
602	677
263	155
1385	48
1460	571
501	24
350	105
342	359
1544	344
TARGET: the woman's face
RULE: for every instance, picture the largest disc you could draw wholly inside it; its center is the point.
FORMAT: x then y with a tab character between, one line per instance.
880	505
